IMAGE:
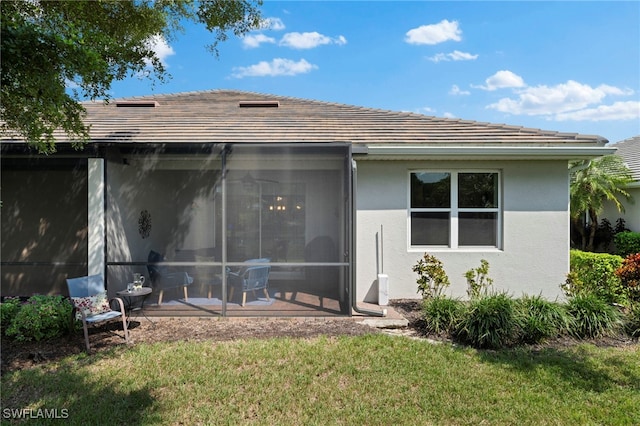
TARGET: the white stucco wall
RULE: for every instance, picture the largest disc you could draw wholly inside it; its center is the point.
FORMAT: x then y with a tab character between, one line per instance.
534	254
631	213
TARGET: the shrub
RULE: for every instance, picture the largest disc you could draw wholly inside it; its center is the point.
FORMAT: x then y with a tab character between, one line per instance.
627	243
478	280
489	322
592	317
629	274
432	278
41	317
632	321
442	314
8	310
540	319
594	273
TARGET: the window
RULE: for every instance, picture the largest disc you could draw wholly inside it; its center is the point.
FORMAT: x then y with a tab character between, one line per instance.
454	209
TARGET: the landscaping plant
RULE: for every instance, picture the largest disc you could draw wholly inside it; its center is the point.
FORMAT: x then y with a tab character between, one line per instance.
489	322
8	310
629	275
432	278
540	319
591	316
478	280
632	321
41	317
442	314
627	243
594	273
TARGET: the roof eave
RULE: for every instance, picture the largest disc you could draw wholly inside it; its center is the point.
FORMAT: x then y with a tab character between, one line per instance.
483	153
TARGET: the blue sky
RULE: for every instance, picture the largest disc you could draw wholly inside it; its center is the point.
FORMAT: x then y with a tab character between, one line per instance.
564	66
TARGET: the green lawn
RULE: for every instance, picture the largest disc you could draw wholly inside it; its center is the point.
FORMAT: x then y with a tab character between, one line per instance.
370	380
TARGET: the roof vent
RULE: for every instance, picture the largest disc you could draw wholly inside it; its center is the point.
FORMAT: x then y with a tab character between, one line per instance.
258	104
137	104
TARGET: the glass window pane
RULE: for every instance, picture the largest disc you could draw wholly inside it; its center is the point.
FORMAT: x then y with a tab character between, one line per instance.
478	190
430	190
477	229
430	228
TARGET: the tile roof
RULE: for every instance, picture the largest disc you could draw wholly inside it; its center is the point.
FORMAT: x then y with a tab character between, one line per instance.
217	116
629	150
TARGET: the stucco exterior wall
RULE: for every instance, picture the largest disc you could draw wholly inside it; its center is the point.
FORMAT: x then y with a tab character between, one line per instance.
631	213
533	257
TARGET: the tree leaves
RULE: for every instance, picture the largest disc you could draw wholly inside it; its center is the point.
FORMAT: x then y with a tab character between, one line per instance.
55	53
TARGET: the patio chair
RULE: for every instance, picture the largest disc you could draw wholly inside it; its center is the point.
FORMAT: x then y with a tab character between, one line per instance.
163	277
249	278
91	305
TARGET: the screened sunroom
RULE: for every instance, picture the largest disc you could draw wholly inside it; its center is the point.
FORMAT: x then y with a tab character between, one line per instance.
231	229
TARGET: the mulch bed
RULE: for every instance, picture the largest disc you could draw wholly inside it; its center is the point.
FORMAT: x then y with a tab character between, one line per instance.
20	355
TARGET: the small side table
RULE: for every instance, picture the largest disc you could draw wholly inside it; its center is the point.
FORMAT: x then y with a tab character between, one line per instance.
132	304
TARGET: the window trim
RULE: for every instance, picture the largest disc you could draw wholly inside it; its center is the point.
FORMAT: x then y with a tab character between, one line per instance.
454	212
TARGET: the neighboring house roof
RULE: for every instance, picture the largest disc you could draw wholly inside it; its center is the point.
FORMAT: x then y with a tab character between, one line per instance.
629	150
228	116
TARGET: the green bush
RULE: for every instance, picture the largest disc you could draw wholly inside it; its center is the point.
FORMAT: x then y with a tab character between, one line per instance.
592	317
489	322
432	278
540	319
442	314
594	273
41	317
627	243
8	310
478	281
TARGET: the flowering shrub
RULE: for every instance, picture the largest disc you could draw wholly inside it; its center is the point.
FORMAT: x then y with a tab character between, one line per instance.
629	274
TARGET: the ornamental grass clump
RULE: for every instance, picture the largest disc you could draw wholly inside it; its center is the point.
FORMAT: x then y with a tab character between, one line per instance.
632	321
489	322
442	314
540	319
592	317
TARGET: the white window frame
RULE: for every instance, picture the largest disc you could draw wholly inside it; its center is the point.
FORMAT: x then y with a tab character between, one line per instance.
454	211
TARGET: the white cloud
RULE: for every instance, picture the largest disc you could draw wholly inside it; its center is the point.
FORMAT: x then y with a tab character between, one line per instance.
562	98
449	115
277	67
435	33
629	110
502	80
274	24
309	40
455	90
456	55
252	41
159	45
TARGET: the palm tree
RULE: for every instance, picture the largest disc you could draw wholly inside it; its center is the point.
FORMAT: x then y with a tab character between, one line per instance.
591	184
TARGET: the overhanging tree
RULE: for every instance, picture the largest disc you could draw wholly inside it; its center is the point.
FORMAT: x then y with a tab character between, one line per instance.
55	53
592	184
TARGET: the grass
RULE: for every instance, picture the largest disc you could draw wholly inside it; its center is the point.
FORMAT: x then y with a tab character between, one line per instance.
372	380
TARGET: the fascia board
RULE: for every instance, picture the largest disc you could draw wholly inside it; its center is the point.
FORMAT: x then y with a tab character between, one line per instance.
486	152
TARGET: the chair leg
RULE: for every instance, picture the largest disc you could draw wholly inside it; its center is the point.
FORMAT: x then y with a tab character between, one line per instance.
266	294
125	329
209	293
160	297
244	298
86	335
186	297
231	294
